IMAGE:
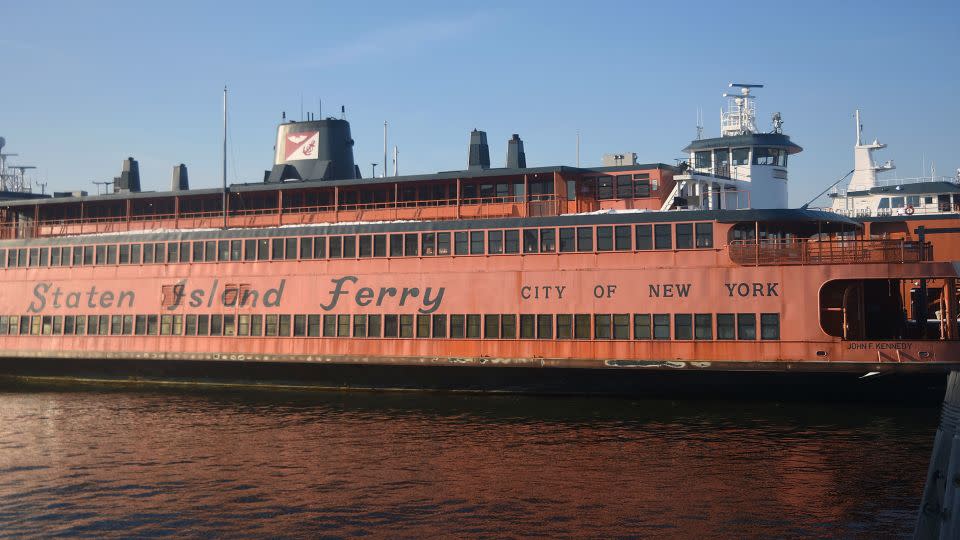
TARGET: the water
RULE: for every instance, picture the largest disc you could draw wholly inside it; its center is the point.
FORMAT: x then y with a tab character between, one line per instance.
102	462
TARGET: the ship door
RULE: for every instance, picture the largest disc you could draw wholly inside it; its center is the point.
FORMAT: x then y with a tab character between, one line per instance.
854	320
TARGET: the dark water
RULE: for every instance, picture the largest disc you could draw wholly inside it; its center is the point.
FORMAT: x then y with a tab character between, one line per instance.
146	462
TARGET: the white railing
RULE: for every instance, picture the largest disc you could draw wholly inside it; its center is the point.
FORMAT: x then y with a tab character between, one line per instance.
917	180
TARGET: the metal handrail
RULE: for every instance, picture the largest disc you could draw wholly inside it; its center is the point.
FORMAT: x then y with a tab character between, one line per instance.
816	252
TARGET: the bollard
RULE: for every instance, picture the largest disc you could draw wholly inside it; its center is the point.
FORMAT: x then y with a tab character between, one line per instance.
939	515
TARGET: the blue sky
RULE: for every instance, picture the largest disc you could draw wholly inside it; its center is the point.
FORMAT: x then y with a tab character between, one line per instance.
87	84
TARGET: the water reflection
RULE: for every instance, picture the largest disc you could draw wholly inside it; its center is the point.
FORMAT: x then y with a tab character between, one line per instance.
146	462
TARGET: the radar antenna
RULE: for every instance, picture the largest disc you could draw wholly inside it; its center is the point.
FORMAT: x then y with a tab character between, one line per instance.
741	113
777	121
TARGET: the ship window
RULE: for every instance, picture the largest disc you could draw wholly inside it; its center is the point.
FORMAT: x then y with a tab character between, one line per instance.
391	327
147	253
210	250
473	326
439	326
571	190
584	239
243	325
25	326
624	186
764	156
567	243
746	326
203	325
349	247
781	158
35	256
661	326
458	326
140	325
495	242
641	326
511	241
234	249
4	324
58	325
770	326
508	326
373	326
44	256
928	200
701	160
284	325
725	326
913	200
87	255
223	250
320	247
263	249
682	326
313	325
621	326
152	325
601	326
365	249
270	326
884	203
336	247
605	187
741	156
184	252
641	185
22	257
684	235
54	256
277	249
703	326
229	324
622	237
548	240
191	329
564	326
359	326
605	238
116	325
491	326
216	325
329	326
527	330
704	235
93	324
47	325
644	239
306	247
460	243
545	326
443	243
127	325
256	325
197	251
290	246
423	326
661	236
343	326
428	245
410	245
173	252
581	327
166	325
898	202
531	241
406	326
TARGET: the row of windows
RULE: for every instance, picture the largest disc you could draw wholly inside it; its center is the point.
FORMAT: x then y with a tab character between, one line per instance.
490	242
639	326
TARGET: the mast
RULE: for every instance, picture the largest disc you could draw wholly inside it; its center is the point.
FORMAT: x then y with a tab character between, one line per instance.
384	148
224	157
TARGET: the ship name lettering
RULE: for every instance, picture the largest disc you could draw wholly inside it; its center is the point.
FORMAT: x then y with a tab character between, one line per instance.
753	289
536	292
669	290
46	292
365	295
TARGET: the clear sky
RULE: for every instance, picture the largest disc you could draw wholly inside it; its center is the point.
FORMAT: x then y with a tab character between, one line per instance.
86	84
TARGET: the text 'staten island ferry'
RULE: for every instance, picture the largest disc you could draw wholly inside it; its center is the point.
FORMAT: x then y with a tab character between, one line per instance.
623	278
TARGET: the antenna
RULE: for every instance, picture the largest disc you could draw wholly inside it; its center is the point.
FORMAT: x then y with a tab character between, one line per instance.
43	187
578	148
739	119
225	152
396	158
343	112
373	172
699	123
384	148
859	126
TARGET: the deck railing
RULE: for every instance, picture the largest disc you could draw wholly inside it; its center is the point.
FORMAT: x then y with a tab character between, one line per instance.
810	252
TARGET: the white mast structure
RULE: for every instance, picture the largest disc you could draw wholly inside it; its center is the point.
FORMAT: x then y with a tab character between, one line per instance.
865	169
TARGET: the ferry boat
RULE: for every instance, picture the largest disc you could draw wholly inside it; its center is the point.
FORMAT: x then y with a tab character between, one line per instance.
624	278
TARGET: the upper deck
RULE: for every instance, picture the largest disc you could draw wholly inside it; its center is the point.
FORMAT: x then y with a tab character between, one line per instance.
468	194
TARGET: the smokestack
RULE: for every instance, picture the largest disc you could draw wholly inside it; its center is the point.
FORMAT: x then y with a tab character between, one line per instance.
180	182
129	179
479	151
516	158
